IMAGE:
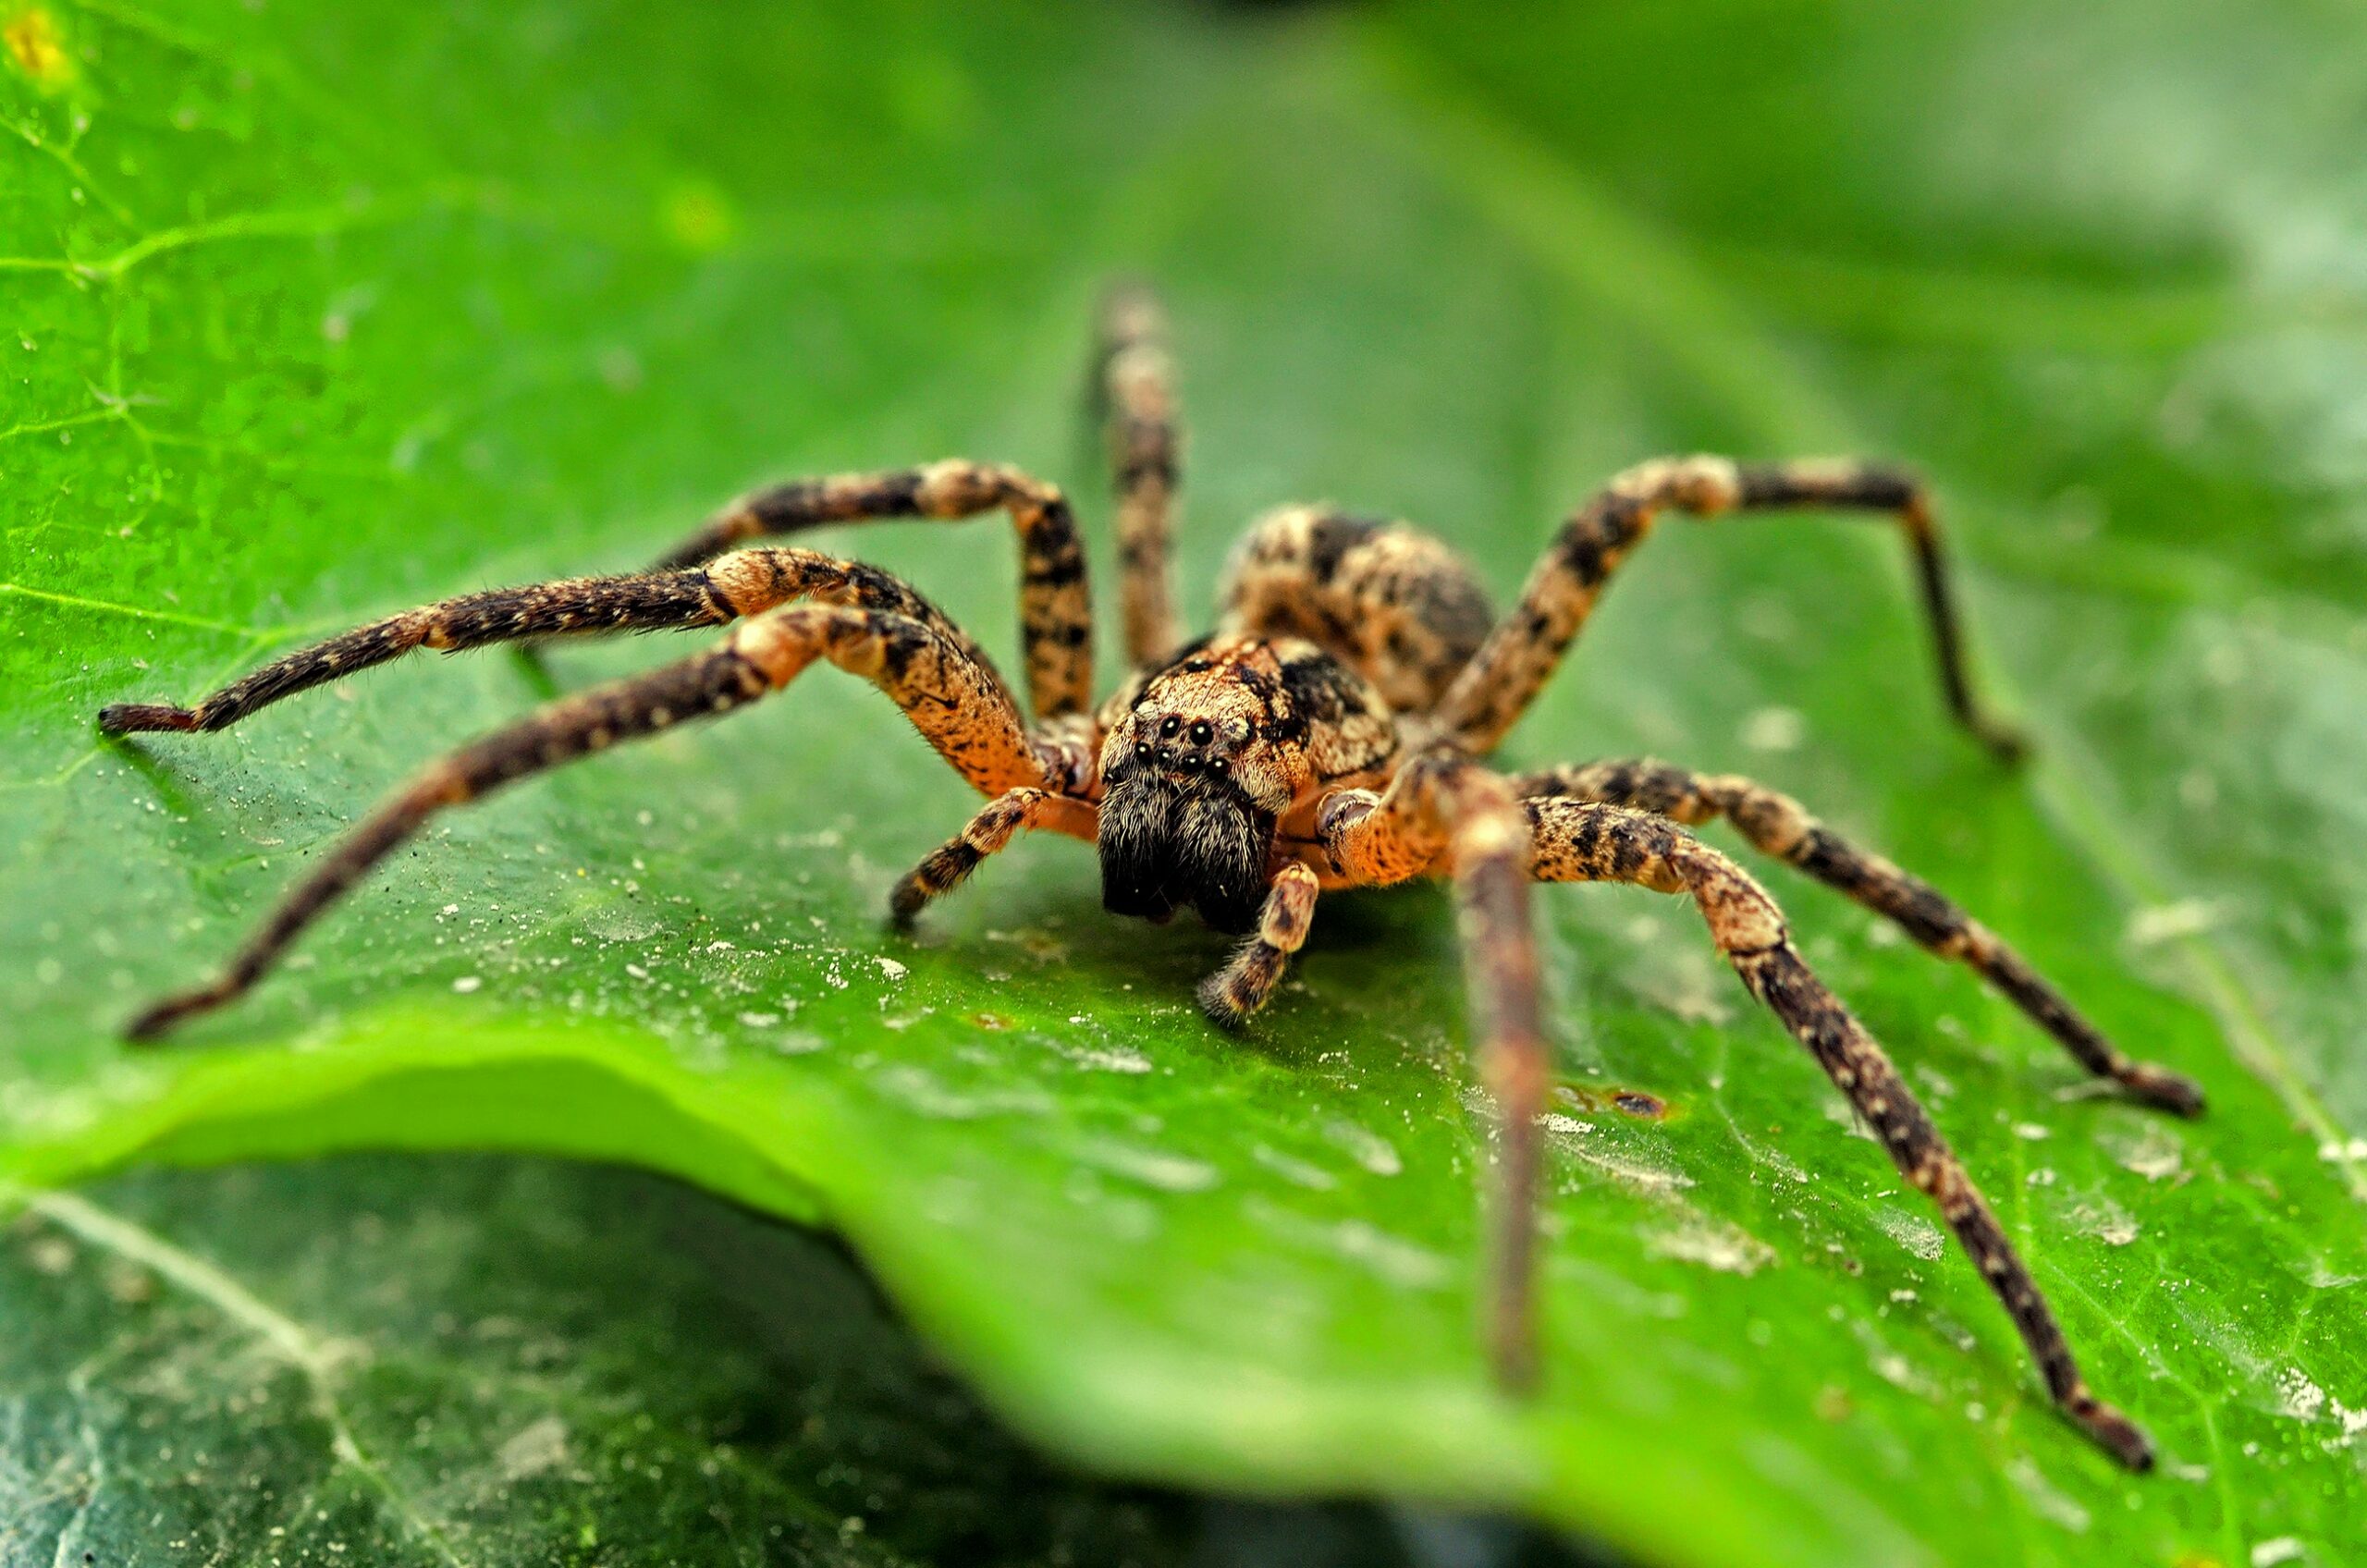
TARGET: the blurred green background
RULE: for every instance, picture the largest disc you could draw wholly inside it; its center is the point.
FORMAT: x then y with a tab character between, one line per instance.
318	310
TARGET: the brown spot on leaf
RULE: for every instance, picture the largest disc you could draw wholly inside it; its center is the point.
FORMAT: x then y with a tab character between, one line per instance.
1589	1098
37	48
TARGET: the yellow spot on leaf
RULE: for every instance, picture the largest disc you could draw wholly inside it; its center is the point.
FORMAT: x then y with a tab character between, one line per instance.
37	48
698	216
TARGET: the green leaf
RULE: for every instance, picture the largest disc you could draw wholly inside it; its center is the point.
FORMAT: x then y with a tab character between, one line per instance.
325	311
387	1359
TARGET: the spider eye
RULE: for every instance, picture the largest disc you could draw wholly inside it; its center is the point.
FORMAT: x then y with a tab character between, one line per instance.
1142	750
1202	734
1218	765
1170	725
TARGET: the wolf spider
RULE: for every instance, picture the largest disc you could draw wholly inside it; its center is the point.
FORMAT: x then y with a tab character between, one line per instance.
1326	736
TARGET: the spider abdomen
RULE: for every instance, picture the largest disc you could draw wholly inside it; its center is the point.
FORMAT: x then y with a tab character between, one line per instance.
1389	600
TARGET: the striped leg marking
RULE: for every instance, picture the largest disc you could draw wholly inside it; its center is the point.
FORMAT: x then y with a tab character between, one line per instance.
1576	841
1445	815
1523	652
938	688
1054	605
1781	826
743	583
950	865
1135	389
1241	987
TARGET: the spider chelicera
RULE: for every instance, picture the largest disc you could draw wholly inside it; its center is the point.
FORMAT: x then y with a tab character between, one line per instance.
1328	735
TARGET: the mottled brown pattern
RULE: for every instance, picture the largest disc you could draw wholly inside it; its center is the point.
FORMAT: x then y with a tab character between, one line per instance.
950	865
742	583
709	684
954	704
1055	609
1780	825
1577	842
643	602
1241	987
1134	386
1283	716
1445	815
1327	736
1397	606
1496	687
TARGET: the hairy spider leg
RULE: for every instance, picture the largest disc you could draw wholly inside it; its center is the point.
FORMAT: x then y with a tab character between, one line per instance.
958	708
1241	987
1495	688
1008	813
1579	841
1134	389
1781	826
1443	813
1408	621
743	583
1055	602
1423	825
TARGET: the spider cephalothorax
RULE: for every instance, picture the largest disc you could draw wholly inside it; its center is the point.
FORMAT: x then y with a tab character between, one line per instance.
1193	780
1204	760
1327	736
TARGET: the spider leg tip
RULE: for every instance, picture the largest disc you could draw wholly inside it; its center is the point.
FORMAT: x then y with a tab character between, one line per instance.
904	905
127	718
2009	746
2173	1092
150	1027
1218	1005
2120	1436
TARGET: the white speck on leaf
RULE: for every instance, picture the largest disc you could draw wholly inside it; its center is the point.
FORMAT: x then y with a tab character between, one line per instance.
1775	729
1113	1058
1713	1244
2045	1500
1154	1168
534	1449
2155	1155
1365	1146
1294	1171
2168	922
2301	1398
2107	1222
1912	1232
